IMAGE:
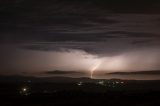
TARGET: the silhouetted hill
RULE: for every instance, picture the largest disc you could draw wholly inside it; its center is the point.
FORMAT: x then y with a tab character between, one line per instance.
58	79
43	79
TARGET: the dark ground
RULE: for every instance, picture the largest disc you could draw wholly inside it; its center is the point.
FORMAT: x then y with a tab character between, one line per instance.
108	93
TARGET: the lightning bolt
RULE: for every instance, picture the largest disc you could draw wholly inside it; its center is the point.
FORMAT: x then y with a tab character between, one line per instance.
94	68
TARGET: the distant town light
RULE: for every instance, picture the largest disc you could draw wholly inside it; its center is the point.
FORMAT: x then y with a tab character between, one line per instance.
80	83
117	82
25	91
101	83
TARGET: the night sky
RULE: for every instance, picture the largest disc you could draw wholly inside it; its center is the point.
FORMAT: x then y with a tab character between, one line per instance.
78	38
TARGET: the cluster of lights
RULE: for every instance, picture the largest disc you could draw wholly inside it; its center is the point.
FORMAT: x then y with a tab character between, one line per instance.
110	84
25	90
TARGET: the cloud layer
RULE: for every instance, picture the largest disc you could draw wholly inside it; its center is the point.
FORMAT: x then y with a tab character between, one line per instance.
75	35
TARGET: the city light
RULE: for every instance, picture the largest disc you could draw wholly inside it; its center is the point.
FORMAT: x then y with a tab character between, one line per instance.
80	83
25	90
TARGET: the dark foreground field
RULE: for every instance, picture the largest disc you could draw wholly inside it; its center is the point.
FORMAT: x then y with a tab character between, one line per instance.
99	92
81	98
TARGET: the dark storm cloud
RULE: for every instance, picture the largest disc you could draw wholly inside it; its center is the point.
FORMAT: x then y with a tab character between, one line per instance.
142	42
111	47
59	72
126	34
153	72
89	47
75	20
37	21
